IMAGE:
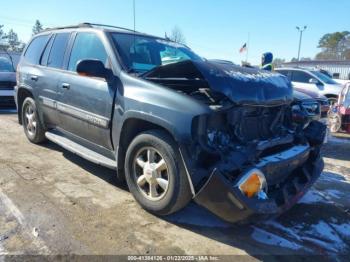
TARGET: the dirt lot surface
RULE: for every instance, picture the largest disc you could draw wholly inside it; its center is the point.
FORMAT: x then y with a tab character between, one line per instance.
54	202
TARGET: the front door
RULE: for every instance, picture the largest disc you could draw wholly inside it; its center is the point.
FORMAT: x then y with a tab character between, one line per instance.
303	80
85	103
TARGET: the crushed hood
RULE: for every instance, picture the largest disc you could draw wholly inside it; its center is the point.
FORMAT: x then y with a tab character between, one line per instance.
239	84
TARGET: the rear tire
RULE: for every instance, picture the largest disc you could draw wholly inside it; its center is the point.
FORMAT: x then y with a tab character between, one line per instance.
31	122
155	173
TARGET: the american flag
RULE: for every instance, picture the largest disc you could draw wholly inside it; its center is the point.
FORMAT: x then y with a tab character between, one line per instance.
243	48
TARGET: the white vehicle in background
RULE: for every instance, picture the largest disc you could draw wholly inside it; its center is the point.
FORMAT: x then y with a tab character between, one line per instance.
335	77
313	80
342	82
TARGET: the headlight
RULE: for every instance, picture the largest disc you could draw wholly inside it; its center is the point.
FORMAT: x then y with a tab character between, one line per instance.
253	183
311	108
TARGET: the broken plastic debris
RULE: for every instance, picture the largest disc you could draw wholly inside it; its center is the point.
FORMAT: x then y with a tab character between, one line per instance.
35	232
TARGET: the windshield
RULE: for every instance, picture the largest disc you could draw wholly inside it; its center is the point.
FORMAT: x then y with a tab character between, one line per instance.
142	53
324	78
5	65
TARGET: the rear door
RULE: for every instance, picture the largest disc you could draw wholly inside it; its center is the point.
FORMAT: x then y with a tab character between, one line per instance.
30	73
86	103
301	80
51	64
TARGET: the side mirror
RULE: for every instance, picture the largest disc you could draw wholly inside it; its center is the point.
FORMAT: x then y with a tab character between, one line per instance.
92	68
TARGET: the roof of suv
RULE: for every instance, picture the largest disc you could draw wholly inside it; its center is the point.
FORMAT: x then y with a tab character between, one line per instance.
102	27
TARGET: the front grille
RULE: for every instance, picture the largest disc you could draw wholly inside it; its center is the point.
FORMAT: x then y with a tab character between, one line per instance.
7	85
311	108
257	123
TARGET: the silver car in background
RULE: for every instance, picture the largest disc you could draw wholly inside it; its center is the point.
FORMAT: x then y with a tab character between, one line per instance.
312	80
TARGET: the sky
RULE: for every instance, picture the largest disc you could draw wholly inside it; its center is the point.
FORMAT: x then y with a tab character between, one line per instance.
213	29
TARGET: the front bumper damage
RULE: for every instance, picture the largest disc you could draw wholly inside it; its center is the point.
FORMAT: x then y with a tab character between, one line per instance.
224	198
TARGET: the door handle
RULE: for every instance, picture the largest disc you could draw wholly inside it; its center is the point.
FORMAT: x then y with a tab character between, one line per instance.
65	86
34	77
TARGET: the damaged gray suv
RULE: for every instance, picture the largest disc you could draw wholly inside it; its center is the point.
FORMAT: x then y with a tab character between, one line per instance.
174	125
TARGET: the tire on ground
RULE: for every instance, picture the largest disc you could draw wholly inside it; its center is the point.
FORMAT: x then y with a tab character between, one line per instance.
179	193
38	136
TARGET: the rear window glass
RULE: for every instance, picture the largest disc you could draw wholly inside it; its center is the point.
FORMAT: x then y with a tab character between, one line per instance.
58	49
35	49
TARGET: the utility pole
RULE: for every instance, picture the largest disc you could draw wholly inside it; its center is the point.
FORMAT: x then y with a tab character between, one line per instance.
301	30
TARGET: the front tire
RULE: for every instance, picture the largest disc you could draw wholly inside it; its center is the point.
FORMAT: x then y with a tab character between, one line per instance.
155	173
31	122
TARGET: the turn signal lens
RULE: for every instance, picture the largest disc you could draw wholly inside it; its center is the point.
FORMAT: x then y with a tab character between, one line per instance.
253	183
251	186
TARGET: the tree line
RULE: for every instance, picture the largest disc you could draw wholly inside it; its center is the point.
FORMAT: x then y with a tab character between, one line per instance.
9	41
334	46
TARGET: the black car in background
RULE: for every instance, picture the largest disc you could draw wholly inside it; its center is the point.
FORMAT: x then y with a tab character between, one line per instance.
7	80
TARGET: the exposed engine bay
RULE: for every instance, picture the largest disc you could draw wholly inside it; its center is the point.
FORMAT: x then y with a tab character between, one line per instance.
256	124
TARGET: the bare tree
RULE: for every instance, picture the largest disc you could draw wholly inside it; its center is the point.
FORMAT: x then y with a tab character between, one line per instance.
177	35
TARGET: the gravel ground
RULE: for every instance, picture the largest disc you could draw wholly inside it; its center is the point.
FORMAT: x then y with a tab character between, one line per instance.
55	203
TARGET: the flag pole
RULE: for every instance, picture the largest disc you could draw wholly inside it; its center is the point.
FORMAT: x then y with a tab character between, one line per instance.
248	47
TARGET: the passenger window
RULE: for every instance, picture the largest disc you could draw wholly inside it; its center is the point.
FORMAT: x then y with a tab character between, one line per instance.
35	49
86	46
46	53
58	49
301	77
283	72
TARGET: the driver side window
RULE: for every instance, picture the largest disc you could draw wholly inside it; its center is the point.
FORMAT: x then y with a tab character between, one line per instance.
87	46
301	77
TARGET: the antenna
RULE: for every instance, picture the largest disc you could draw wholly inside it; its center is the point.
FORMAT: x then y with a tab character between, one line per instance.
134	6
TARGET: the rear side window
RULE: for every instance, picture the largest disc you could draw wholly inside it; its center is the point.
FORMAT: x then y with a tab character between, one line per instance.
58	49
46	53
35	49
86	46
301	77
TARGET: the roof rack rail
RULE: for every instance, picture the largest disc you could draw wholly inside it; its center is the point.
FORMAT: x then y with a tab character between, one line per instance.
85	24
103	25
67	27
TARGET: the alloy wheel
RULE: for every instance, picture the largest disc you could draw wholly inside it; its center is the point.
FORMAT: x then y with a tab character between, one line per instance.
151	173
30	121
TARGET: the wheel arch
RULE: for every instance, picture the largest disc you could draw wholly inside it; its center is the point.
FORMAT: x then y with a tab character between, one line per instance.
130	128
22	94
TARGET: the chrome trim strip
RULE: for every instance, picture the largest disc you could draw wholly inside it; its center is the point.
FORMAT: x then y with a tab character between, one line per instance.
48	102
83	115
91	118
